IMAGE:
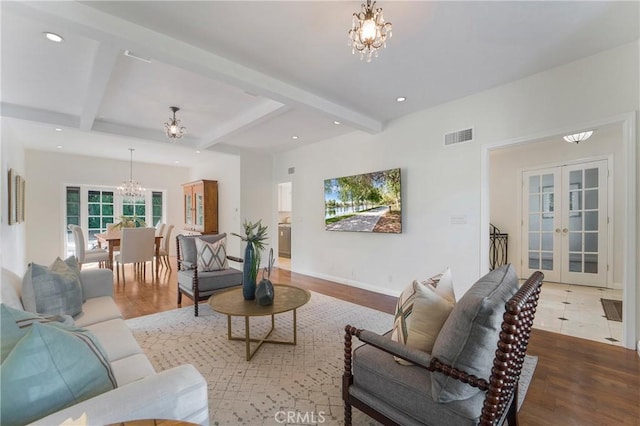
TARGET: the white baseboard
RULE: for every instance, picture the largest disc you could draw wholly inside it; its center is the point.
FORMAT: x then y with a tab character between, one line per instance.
616	286
352	283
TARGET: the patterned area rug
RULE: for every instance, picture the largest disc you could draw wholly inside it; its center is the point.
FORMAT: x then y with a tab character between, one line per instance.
305	379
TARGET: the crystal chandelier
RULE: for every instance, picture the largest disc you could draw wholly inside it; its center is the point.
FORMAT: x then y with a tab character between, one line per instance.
578	137
368	32
131	190
173	128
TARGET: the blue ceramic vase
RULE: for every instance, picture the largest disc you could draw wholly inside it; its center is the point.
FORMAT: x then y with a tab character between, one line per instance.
248	282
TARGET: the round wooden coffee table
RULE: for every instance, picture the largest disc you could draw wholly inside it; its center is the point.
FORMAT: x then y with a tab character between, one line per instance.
231	303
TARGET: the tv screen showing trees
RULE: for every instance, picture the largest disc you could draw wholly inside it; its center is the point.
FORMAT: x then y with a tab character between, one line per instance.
369	202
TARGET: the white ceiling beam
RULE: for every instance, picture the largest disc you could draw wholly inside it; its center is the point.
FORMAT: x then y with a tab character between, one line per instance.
103	65
39	115
257	114
126	35
141	133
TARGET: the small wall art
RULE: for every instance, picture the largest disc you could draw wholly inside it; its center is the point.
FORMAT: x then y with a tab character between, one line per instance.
16	189
11	190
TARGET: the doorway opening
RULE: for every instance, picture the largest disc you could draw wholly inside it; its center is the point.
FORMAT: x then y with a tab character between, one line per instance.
508	166
285	212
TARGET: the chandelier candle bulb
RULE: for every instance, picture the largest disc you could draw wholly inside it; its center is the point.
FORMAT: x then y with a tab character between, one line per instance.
368	31
131	190
173	128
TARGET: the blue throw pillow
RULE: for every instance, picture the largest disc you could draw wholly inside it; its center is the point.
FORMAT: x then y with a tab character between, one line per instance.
51	369
53	291
14	324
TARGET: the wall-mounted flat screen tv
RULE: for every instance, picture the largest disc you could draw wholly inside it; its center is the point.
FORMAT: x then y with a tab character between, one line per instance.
369	202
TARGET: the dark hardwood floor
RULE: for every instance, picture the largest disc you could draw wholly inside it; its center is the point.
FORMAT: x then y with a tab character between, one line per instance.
576	381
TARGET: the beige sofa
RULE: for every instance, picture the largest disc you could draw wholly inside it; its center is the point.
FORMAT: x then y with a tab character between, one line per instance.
179	393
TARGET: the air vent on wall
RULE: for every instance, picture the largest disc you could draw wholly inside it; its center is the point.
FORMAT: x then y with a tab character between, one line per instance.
460	136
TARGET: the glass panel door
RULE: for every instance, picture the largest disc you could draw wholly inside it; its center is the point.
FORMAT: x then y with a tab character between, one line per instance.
541	223
188	216
199	208
100	212
585	220
565	223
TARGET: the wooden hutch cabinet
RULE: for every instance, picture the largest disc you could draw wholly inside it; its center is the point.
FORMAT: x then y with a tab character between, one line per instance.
201	206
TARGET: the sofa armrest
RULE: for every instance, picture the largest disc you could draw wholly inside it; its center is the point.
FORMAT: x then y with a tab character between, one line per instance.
176	394
97	282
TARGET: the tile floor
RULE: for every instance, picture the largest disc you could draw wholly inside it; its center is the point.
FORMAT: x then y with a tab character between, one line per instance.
577	311
284	263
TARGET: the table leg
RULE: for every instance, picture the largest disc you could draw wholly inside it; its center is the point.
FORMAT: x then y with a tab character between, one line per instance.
111	256
295	328
157	258
247	338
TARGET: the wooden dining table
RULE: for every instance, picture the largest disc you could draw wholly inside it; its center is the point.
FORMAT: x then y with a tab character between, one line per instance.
112	239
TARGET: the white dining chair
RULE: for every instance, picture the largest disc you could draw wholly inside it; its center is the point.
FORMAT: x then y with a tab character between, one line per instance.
163	253
160	228
137	246
84	255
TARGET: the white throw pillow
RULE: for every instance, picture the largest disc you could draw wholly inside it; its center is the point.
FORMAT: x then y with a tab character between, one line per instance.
443	284
212	256
430	311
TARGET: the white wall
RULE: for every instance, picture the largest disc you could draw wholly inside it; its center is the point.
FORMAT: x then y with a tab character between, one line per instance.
12	245
508	163
224	168
440	182
49	172
258	200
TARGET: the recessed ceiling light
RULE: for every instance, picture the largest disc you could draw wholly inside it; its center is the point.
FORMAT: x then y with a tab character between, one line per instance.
197	152
336	122
59	146
58	129
53	37
401	99
294	137
177	162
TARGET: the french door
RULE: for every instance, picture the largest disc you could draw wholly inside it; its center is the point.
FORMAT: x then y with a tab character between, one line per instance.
564	223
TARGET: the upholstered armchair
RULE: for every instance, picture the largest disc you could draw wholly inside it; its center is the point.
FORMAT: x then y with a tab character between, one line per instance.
470	377
199	285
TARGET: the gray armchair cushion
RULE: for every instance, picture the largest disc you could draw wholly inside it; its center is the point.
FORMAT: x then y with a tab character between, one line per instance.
469	337
208	282
188	252
392	388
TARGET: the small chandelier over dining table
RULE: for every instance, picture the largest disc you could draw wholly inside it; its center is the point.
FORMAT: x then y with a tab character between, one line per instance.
131	190
369	32
173	128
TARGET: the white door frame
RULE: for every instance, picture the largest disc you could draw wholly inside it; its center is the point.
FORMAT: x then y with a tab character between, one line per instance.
629	269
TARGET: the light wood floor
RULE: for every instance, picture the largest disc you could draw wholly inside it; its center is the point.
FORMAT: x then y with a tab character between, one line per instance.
576	382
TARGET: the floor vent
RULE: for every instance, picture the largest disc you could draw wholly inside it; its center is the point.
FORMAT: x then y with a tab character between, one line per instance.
460	136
